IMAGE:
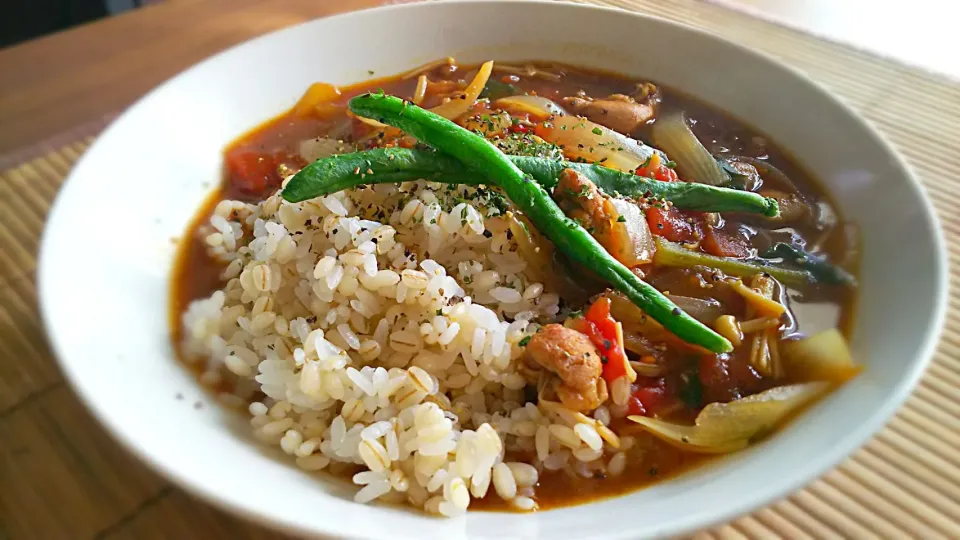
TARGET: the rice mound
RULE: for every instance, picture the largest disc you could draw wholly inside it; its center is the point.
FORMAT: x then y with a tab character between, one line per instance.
383	326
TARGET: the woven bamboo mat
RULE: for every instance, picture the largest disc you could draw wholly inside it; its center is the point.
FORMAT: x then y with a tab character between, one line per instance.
61	476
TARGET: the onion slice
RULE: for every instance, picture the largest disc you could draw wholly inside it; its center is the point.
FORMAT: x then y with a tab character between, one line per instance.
694	163
455	107
316	96
705	310
538	107
421	90
630	234
458	106
727	427
581	139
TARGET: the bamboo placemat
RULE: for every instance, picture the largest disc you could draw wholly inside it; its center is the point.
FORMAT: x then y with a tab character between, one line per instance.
61	476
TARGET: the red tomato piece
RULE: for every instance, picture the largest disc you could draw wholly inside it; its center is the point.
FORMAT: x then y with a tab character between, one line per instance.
650	397
599	310
252	172
723	244
661	173
601	328
673	225
635	407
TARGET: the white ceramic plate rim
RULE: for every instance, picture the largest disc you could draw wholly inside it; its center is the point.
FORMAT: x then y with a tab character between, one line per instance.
789	482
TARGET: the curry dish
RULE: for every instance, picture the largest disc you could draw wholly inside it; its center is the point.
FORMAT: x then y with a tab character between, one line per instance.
513	286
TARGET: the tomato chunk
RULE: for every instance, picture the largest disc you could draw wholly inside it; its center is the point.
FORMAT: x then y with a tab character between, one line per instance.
649	397
602	330
658	170
674	225
252	172
724	244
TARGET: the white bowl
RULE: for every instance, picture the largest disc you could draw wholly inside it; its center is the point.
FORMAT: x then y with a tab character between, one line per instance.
107	253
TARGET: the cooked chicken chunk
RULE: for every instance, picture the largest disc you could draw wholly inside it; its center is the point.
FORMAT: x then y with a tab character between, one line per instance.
580	199
618	112
608	220
573	358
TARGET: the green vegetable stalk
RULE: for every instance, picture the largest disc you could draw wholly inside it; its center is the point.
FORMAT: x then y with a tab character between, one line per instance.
485	160
390	165
671	254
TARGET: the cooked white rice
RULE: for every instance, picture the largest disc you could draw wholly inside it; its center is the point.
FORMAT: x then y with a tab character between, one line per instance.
382	325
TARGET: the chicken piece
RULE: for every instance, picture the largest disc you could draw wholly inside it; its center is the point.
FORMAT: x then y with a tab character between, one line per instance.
580	200
618	112
573	358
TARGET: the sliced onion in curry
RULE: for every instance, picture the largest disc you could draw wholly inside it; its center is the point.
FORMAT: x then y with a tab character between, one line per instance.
705	310
455	107
727	427
635	321
317	100
458	106
538	107
694	163
634	241
583	140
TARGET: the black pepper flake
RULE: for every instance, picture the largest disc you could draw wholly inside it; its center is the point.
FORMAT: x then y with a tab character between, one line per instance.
308	222
179	396
676	312
374	240
509	234
487	234
653	471
311	319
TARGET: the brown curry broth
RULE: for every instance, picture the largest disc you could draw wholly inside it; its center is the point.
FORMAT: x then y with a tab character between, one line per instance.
197	276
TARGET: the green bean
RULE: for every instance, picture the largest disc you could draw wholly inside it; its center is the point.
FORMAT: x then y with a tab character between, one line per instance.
671	254
378	166
683	195
478	155
389	165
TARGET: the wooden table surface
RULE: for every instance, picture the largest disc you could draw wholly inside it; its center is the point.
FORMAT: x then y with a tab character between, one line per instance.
60	82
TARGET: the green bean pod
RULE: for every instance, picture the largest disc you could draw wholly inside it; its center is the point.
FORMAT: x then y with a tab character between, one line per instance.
390	165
